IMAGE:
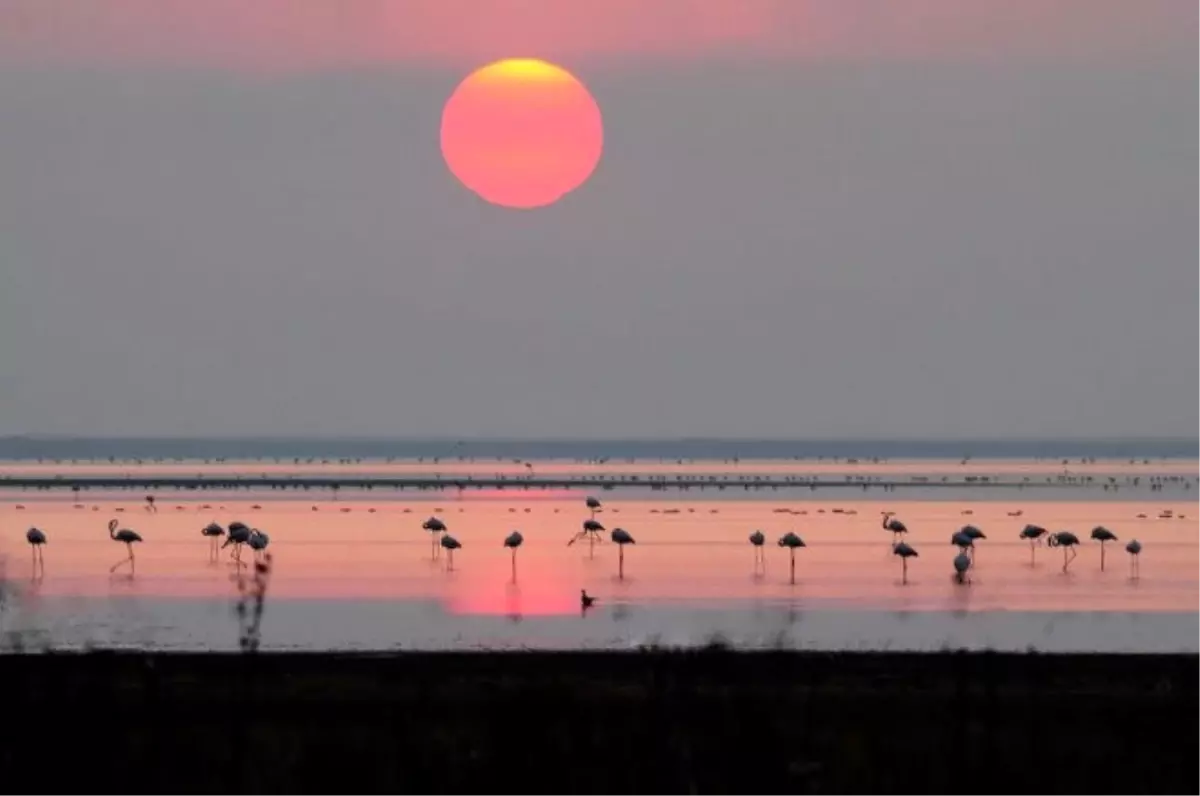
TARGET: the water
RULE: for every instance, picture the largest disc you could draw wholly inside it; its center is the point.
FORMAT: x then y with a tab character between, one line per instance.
358	572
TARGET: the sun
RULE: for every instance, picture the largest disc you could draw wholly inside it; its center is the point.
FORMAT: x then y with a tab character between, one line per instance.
521	133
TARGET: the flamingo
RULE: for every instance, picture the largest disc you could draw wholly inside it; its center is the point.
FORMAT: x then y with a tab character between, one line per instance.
962	563
127	537
758	539
586	600
1067	541
239	534
593	504
1034	534
150	507
1102	535
512	542
1134	549
591	532
37	541
621	537
791	541
435	527
451	544
974	534
905	551
896	527
213	532
258	542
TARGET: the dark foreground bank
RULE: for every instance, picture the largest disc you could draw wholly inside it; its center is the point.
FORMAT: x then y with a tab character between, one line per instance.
712	721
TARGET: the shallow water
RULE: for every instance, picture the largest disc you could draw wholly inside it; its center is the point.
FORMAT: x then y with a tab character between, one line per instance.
361	573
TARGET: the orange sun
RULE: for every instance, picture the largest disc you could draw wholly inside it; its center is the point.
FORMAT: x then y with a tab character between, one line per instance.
521	132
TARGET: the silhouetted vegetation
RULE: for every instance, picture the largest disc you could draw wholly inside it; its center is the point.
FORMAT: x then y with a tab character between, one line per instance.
712	720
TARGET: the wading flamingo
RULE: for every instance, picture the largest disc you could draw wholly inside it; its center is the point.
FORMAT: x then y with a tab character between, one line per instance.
1102	535
758	539
213	532
258	542
905	551
239	534
621	537
451	544
591	532
1034	534
1067	541
37	542
126	537
896	527
435	527
512	542
962	563
1134	549
792	542
974	534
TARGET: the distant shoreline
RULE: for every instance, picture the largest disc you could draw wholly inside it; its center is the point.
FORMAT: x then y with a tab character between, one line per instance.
24	447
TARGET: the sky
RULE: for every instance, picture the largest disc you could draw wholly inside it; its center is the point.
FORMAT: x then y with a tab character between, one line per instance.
812	218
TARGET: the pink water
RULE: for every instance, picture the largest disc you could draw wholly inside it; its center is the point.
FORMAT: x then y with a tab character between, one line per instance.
690	551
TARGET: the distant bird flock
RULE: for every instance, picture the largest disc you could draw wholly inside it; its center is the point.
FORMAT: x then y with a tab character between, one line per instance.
240	536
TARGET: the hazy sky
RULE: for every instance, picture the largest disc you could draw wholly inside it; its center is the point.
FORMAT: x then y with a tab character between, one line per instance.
894	218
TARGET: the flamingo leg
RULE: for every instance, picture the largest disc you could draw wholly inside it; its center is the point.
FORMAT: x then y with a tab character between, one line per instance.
1102	556
621	562
904	570
793	567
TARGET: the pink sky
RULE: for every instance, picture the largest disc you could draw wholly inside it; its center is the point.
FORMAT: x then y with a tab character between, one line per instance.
315	34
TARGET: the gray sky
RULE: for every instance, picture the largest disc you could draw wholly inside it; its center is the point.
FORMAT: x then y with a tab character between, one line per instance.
863	246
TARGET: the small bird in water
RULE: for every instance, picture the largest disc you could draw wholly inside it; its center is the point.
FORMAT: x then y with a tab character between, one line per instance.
586	600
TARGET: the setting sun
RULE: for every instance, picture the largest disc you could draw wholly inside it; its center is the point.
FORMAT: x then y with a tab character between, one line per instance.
521	133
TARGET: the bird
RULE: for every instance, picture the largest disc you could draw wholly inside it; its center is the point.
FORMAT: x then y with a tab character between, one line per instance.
791	541
127	537
1134	548
586	600
591	531
239	534
150	507
758	539
962	563
435	527
1034	534
451	544
37	540
974	534
621	537
512	542
593	504
905	551
1102	535
962	541
258	542
1067	541
894	526
213	532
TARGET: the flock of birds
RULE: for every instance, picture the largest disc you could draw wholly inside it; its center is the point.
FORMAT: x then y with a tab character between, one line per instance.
239	535
966	537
